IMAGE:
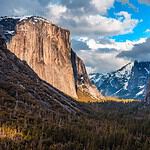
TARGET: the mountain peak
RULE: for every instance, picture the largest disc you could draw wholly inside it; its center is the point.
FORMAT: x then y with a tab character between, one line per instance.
8	25
125	70
20	18
128	82
127	66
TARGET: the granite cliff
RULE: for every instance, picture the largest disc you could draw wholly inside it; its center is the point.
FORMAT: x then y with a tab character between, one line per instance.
23	92
47	50
85	89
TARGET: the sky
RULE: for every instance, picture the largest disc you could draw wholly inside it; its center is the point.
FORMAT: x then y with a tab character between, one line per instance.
106	34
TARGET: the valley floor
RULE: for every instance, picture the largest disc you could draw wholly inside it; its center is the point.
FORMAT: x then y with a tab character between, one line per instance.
105	126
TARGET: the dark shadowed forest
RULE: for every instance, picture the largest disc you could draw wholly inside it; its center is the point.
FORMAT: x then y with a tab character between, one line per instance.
104	126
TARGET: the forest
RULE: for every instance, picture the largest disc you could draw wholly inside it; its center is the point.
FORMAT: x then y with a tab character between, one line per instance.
104	126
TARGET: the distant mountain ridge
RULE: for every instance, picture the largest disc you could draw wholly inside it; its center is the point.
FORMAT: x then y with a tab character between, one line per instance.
47	50
128	82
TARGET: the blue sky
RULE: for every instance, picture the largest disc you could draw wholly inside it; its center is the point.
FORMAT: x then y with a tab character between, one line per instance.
106	34
141	14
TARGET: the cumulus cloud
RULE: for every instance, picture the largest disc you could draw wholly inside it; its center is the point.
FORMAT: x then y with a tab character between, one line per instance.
79	45
147	31
102	5
82	17
112	44
102	55
140	52
86	21
56	11
98	61
19	8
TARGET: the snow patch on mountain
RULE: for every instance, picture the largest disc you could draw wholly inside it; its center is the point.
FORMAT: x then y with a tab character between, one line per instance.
8	24
128	82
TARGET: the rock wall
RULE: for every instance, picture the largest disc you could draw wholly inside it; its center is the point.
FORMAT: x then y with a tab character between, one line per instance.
23	92
47	50
83	82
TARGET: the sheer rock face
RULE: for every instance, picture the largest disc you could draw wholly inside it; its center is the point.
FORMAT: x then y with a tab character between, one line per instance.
83	82
23	92
47	50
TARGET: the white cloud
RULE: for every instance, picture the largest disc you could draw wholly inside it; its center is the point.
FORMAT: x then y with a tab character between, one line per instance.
102	5
19	11
140	52
87	21
20	8
101	62
82	17
147	31
112	44
101	55
56	10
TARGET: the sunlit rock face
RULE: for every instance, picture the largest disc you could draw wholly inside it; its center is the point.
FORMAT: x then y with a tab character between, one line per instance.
47	50
22	92
83	82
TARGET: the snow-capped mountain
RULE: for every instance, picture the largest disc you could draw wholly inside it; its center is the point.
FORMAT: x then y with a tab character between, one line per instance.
128	82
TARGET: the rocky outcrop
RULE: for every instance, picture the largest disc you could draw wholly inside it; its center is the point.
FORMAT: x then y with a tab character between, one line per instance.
83	82
46	49
23	92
